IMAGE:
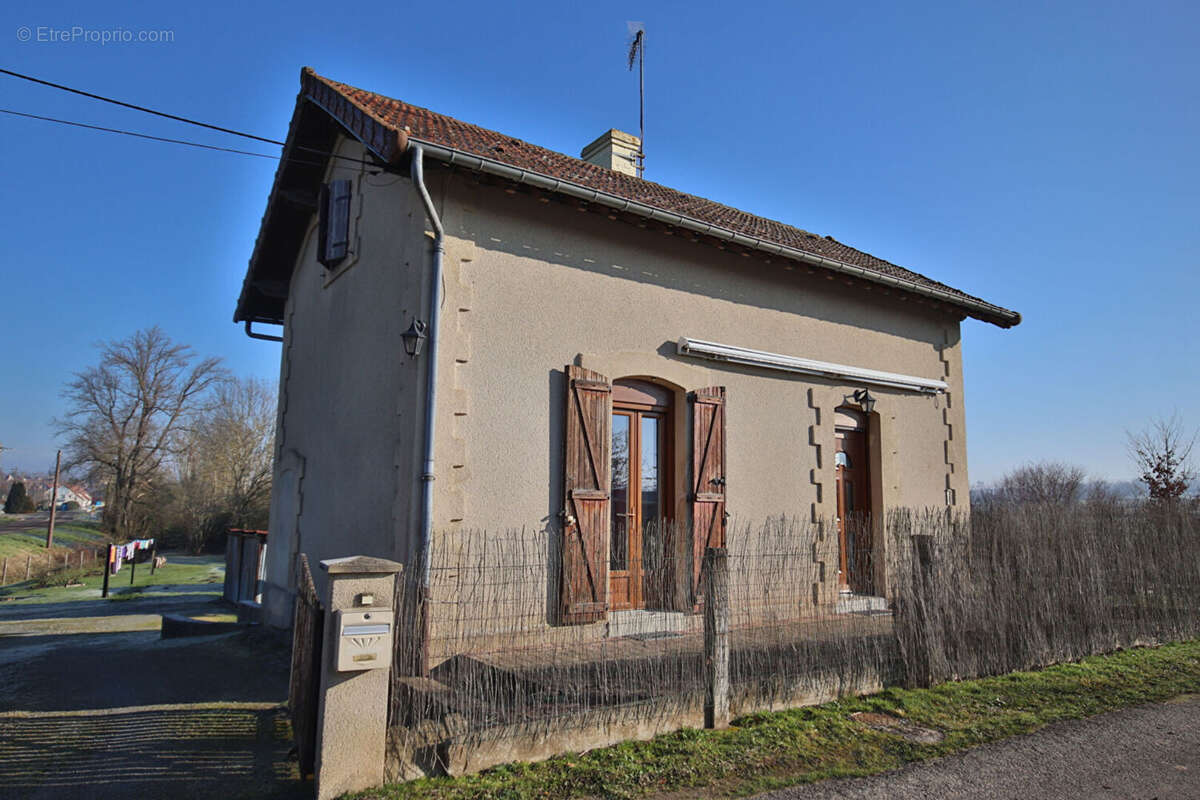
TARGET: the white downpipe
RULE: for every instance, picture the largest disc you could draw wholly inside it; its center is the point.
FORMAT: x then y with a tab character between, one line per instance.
431	371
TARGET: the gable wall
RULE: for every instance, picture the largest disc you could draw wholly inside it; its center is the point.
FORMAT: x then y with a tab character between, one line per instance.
349	404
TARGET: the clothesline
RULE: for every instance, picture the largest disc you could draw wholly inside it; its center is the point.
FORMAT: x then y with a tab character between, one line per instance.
120	553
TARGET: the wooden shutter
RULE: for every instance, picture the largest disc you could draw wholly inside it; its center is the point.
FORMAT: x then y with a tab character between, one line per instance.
708	476
334	222
585	529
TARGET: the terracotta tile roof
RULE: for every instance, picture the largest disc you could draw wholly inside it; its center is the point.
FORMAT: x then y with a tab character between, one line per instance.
425	125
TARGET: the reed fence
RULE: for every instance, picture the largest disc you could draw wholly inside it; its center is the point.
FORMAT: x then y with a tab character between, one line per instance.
959	596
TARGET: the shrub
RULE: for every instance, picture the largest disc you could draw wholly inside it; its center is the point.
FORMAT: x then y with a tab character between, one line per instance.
19	502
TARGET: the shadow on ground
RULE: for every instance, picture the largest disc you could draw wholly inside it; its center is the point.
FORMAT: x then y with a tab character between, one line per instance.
86	671
125	713
221	752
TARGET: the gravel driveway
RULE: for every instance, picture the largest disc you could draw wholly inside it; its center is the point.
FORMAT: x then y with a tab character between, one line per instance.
1145	752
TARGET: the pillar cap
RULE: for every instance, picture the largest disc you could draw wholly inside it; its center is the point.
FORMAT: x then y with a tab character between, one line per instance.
360	565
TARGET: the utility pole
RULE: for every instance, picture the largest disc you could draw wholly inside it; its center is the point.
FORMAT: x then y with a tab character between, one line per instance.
53	501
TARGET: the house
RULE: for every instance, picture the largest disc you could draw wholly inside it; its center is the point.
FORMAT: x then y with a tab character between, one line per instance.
480	334
69	494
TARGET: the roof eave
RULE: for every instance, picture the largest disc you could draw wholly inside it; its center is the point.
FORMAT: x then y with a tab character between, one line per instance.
979	309
384	142
390	145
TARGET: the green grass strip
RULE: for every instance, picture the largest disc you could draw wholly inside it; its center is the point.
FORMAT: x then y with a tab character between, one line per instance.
771	750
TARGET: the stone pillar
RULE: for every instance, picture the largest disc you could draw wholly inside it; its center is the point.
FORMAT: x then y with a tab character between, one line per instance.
352	715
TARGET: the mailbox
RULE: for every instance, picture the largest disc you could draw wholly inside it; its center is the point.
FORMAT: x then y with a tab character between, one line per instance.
364	639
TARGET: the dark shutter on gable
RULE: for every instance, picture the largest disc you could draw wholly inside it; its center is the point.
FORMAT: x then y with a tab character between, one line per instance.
333	237
585	524
708	478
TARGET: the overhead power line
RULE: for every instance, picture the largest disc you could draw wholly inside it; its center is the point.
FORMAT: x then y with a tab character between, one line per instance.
136	107
177	118
188	143
136	134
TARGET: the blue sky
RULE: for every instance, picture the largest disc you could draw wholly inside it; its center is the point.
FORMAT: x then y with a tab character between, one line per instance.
1042	156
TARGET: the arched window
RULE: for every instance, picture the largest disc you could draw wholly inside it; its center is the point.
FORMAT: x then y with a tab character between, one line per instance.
641	491
622	479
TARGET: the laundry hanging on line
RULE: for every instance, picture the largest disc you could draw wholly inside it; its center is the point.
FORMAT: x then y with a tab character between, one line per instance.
120	553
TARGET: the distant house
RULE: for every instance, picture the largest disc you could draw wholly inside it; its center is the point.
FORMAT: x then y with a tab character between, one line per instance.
597	353
69	494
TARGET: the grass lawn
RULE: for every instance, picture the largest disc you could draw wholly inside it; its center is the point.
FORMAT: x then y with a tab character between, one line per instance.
208	570
772	750
32	541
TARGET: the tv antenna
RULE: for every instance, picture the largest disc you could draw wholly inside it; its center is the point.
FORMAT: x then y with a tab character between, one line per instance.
637	52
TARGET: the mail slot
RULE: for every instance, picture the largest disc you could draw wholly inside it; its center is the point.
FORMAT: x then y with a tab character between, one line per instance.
364	639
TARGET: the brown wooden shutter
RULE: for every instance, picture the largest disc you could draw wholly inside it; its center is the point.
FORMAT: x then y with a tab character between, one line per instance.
708	476
584	596
333	237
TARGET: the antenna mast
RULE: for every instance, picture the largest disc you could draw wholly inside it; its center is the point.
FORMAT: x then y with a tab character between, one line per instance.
637	51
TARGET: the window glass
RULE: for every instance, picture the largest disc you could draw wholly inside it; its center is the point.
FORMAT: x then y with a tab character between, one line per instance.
842	460
619	540
650	467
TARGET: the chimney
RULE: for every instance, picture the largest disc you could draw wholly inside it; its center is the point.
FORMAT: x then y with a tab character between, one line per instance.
615	150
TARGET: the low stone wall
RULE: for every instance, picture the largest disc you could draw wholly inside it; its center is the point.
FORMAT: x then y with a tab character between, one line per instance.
447	746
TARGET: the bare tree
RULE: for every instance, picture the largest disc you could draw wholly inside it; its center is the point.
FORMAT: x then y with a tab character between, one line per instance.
1044	482
224	473
1163	455
126	416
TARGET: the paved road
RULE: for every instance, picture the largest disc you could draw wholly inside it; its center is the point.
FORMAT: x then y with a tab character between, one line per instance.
1145	752
94	705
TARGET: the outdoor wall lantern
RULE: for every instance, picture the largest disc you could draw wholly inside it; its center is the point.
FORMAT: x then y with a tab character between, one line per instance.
414	338
864	399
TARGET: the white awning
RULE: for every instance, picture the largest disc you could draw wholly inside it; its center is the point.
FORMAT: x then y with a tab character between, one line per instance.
713	351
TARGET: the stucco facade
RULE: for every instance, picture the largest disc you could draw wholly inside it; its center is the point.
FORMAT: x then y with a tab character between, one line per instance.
532	284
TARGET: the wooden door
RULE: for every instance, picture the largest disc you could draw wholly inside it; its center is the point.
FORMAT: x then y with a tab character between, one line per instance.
853	511
639	467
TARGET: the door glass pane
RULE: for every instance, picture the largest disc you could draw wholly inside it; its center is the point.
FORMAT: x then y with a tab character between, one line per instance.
650	470
619	540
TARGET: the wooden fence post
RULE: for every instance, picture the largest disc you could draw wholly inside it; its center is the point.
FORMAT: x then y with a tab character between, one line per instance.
28	565
716	637
4	574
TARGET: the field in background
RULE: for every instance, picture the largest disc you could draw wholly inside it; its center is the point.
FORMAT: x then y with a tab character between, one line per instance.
20	535
23	545
182	575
